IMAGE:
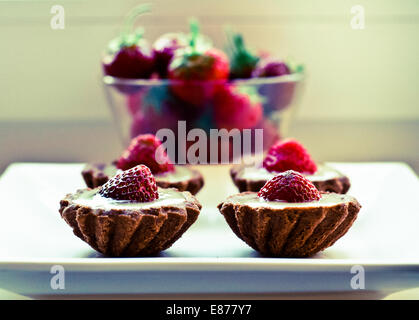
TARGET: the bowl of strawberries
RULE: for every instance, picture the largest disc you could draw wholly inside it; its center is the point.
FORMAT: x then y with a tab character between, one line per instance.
183	82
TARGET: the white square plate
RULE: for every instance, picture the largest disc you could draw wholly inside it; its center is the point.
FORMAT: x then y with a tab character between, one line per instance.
209	258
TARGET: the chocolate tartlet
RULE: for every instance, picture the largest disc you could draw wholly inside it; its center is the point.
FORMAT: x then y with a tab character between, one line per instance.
126	228
284	229
253	178
183	178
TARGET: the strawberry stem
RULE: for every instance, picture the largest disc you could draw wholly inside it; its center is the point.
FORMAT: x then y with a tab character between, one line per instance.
129	22
194	31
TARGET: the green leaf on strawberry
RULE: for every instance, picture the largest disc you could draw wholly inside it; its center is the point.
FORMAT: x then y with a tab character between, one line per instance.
294	66
242	60
125	40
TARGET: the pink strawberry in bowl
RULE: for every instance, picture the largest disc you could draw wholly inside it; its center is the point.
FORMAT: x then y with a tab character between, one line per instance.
156	108
197	71
129	55
237	106
270	68
150	120
195	77
165	48
167	45
278	95
134	101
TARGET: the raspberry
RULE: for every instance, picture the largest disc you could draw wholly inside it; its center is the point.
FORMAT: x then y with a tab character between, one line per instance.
289	186
289	155
135	184
142	150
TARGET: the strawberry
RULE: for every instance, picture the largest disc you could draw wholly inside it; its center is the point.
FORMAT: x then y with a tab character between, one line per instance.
156	107
150	121
143	150
168	44
129	55
129	59
279	94
134	100
164	49
135	184
289	155
289	186
270	68
237	107
242	61
197	72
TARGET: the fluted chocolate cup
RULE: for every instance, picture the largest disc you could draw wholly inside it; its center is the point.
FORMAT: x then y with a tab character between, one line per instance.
281	229
127	229
251	178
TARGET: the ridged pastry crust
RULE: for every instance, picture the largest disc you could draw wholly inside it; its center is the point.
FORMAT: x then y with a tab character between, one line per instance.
97	174
130	232
340	184
291	231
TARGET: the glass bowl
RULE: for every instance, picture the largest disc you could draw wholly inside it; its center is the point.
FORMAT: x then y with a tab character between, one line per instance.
145	106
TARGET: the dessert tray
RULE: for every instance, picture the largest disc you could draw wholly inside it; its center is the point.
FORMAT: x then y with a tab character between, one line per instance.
35	242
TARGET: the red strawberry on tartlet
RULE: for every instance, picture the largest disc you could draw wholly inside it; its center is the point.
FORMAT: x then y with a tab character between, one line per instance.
289	217
135	184
145	149
289	154
289	186
148	150
129	215
284	155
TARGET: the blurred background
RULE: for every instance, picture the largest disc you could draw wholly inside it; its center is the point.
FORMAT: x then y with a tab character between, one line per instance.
360	100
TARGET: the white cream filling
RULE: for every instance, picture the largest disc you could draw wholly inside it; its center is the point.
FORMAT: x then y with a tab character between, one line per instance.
93	199
327	200
181	173
323	173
